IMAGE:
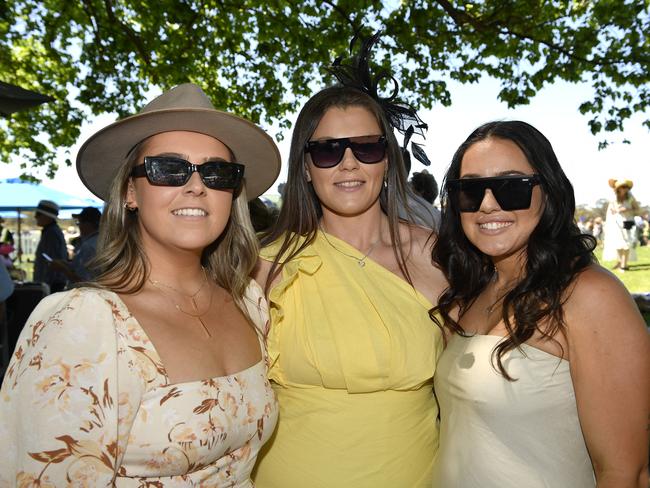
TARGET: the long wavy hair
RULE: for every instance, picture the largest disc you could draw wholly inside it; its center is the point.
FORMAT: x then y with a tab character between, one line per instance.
301	209
122	263
555	253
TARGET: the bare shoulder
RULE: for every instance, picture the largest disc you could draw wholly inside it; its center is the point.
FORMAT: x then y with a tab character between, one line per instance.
427	277
421	239
261	271
598	300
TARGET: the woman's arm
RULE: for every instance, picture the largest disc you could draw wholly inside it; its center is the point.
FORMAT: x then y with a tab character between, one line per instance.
609	351
60	396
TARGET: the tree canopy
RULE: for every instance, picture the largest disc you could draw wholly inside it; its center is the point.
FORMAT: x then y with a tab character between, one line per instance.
261	58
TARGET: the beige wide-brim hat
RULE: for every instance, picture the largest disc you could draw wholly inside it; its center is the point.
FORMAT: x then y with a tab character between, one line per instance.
185	108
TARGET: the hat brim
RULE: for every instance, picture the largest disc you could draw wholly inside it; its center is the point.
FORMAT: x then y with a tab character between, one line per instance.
46	213
101	156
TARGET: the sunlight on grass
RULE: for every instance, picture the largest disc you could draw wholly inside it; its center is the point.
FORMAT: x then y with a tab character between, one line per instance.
637	278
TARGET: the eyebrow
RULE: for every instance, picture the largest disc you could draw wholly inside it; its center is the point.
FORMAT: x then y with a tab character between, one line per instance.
186	157
509	172
332	138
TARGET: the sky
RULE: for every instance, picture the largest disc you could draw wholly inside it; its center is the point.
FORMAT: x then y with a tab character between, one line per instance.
554	111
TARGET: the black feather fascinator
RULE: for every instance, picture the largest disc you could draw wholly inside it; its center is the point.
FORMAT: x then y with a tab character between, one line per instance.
402	116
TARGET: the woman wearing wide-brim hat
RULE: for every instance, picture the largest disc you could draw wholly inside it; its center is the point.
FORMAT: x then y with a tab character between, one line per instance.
157	372
620	229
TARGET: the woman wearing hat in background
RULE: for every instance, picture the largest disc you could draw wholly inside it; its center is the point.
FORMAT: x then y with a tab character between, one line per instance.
156	376
544	380
352	348
620	229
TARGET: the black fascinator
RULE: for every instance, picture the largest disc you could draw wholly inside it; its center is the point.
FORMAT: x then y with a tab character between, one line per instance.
402	116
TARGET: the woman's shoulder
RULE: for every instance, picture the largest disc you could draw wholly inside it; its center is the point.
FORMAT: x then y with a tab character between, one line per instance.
256	305
76	299
597	298
293	242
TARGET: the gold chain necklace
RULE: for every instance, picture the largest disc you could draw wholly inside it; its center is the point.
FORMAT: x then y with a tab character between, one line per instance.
197	315
360	261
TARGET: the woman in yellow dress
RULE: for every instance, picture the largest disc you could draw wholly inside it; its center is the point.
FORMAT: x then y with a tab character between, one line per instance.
352	348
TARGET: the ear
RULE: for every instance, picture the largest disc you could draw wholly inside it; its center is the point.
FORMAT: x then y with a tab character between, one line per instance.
131	201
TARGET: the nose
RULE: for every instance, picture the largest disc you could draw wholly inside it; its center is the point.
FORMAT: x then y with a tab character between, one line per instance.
195	185
489	203
349	160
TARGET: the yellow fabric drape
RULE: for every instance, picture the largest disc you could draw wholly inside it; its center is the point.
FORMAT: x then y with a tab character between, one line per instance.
353	353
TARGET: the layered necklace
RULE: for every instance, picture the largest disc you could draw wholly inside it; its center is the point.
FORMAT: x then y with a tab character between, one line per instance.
360	261
195	314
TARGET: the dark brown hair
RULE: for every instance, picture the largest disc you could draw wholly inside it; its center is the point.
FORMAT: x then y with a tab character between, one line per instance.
301	209
556	250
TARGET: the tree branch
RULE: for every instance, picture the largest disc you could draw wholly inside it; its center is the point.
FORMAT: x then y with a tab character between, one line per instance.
144	54
460	17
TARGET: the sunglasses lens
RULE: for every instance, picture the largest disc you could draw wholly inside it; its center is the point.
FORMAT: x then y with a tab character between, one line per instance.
216	175
326	154
167	171
368	150
221	175
470	197
511	193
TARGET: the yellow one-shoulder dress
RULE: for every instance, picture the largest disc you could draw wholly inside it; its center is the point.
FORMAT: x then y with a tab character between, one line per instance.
353	353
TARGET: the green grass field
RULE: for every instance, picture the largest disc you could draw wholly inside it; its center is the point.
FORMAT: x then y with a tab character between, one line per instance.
637	278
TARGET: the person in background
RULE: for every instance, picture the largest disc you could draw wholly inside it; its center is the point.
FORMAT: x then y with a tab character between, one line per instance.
352	348
78	269
6	236
51	246
597	230
156	375
424	185
620	229
645	229
263	216
545	377
6	285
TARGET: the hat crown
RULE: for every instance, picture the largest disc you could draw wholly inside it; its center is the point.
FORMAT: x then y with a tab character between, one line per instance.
48	205
181	97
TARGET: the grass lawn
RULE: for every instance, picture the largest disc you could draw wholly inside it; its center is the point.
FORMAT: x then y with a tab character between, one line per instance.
637	278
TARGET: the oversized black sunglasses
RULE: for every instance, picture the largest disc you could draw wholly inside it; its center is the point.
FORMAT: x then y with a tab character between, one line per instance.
173	171
511	192
329	153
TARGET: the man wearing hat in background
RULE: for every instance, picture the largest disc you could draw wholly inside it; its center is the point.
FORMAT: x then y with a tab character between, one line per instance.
77	269
51	246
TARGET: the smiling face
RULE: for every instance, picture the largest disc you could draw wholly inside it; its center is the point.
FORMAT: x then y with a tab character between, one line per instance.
188	217
351	187
496	232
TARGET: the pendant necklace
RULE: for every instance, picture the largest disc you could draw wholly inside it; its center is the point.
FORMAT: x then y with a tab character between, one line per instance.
360	261
499	299
197	315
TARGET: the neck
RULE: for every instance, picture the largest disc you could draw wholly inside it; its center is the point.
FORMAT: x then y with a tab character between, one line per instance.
360	231
178	268
509	271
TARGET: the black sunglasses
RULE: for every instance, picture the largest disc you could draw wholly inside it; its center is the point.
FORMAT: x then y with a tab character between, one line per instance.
172	171
329	153
511	192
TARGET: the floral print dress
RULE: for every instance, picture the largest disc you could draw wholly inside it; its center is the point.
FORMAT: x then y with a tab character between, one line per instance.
86	402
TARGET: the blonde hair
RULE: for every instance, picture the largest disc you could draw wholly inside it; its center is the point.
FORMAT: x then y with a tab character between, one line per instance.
122	263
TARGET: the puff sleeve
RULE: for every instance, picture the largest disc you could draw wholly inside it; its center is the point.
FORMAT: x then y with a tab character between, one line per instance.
69	396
